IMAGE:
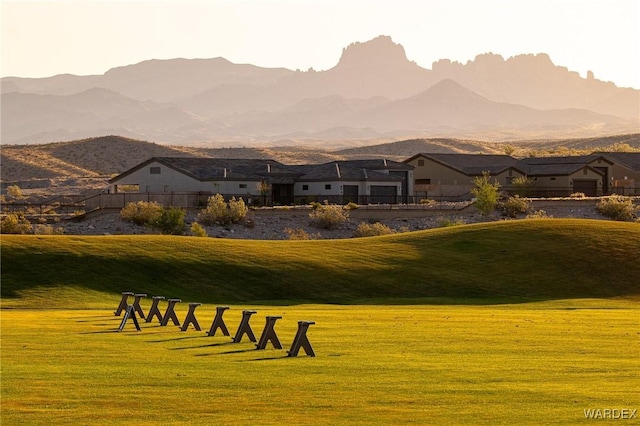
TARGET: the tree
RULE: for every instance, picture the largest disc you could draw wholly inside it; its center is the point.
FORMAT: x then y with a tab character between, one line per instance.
486	193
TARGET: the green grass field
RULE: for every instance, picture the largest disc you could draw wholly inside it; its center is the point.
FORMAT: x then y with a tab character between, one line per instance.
528	322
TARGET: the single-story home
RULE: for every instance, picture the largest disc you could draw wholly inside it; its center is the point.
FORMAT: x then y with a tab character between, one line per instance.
270	182
452	175
625	173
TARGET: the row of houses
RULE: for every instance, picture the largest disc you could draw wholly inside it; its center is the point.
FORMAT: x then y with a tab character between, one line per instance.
380	181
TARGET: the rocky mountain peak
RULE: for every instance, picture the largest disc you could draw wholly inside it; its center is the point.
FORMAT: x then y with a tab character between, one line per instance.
379	52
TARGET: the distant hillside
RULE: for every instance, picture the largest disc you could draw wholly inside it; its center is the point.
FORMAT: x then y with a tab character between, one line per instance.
373	93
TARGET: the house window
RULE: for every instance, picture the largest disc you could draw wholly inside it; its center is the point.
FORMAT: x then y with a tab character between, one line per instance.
420	163
305	187
423	181
552	178
148	189
585	171
327	186
243	186
154	170
166	188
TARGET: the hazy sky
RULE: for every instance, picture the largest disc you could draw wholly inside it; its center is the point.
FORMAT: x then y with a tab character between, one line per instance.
44	38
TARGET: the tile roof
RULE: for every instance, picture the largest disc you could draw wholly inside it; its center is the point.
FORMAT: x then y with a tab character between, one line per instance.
473	164
631	160
341	170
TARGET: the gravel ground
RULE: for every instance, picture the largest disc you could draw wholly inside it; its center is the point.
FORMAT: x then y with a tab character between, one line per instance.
273	226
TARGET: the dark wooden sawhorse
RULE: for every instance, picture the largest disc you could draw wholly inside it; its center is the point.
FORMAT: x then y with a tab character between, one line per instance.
218	322
191	318
301	340
269	334
245	328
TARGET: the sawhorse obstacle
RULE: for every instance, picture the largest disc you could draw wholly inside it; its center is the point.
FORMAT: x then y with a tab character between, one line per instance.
218	322
245	328
129	313
136	304
301	340
170	314
191	318
123	303
269	334
155	311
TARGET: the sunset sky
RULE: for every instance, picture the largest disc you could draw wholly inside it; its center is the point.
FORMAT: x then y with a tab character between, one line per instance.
45	38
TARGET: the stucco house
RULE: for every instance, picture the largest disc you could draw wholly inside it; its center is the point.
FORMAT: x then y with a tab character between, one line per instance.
248	178
625	173
563	176
452	175
270	182
359	181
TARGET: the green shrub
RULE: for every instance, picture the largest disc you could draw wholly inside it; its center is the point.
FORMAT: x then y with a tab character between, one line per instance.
328	216
617	207
14	191
297	234
372	230
197	230
237	210
486	194
514	206
427	202
523	185
351	206
142	212
41	229
444	222
171	221
222	213
538	214
15	223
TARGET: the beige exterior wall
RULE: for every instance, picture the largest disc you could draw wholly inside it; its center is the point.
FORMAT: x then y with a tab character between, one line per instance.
624	181
447	182
169	180
318	188
439	174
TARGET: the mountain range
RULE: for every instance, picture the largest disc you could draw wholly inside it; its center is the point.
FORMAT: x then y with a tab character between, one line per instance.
374	93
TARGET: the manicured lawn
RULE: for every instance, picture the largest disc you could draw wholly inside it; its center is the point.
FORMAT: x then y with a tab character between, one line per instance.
519	322
531	363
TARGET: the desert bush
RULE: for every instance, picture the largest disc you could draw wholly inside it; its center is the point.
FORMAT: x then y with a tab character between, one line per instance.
142	212
15	223
237	210
486	194
197	230
523	185
427	202
513	206
538	214
41	229
171	221
328	216
14	191
372	230
444	222
351	206
222	213
297	234
617	207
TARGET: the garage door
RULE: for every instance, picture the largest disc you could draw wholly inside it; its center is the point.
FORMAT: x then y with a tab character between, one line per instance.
588	187
384	195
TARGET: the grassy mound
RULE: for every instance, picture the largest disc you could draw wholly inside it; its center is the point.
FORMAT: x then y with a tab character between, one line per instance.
502	262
